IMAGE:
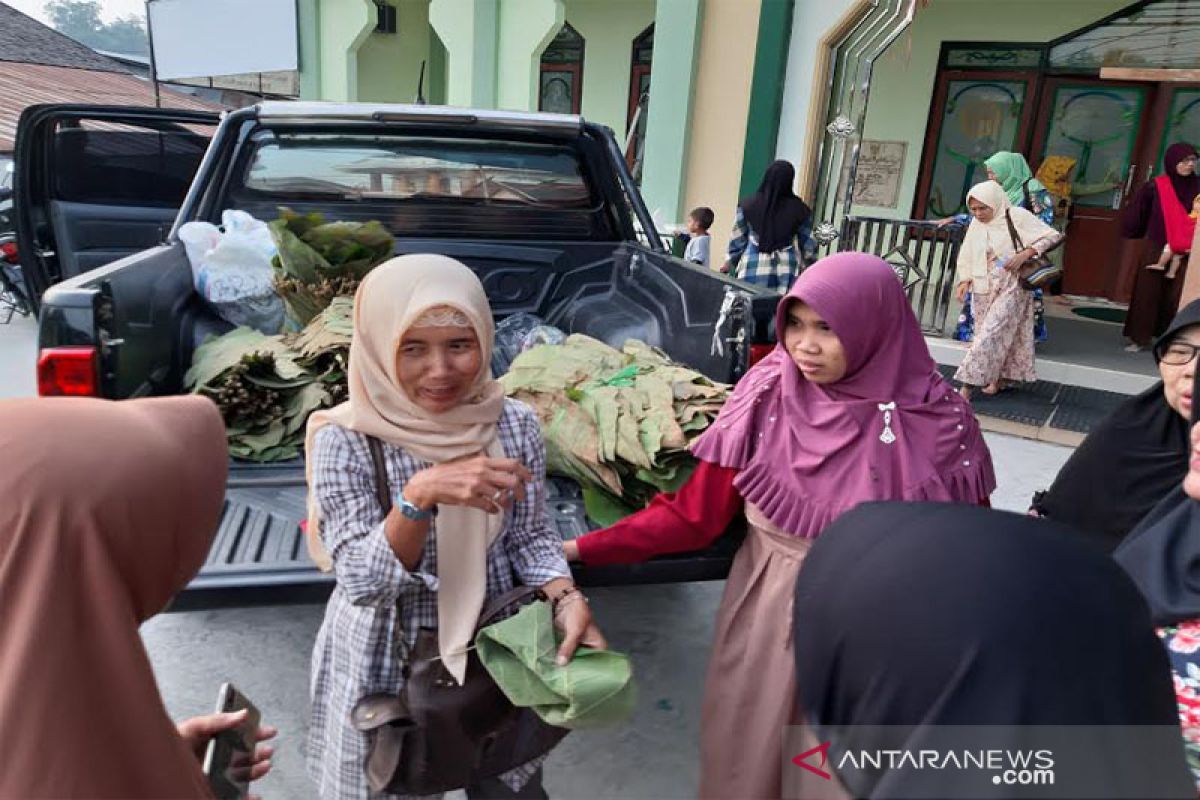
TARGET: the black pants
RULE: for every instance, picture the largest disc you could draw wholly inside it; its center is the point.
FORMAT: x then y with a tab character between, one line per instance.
496	789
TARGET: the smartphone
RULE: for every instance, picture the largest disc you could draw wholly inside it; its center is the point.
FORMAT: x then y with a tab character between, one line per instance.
230	754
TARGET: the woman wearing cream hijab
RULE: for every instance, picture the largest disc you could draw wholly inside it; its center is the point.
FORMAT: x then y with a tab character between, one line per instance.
466	469
989	265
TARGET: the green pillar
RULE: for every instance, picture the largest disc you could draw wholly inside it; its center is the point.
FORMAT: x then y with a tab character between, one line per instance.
677	25
309	20
343	27
468	30
766	91
526	27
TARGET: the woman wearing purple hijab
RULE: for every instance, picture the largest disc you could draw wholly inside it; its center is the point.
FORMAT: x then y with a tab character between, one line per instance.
847	409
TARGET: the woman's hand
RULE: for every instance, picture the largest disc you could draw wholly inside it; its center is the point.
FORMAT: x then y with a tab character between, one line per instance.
1018	260
960	291
489	484
944	221
727	267
573	619
198	731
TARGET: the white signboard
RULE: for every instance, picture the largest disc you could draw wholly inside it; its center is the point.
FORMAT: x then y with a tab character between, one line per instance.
202	38
880	165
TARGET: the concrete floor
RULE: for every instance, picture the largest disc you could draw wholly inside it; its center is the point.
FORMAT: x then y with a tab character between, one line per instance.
666	629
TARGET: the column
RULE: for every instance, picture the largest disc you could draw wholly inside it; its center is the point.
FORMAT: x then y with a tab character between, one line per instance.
469	30
526	27
344	26
677	26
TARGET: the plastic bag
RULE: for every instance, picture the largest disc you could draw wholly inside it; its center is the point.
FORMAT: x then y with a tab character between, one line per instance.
231	269
518	333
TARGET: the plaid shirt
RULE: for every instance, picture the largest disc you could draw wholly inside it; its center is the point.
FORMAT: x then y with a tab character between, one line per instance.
359	649
775	270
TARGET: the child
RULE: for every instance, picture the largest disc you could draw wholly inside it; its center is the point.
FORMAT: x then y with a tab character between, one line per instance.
699	221
1169	255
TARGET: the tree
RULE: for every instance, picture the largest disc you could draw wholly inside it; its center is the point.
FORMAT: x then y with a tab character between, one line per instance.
80	19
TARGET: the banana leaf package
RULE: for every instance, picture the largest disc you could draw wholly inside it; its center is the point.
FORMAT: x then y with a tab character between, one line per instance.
618	422
593	690
318	260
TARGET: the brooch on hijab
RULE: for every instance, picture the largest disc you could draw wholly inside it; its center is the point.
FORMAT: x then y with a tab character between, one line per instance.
887	437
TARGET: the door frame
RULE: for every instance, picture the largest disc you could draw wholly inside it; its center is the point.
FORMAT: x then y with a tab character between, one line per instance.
937	109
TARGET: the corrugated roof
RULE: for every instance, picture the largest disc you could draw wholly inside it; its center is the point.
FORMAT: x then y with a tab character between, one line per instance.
23	85
24	39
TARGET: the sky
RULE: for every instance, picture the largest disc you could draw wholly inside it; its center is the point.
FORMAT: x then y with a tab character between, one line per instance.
110	9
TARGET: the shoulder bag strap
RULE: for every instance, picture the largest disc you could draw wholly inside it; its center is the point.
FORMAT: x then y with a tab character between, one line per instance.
381	485
514	596
1025	192
1012	231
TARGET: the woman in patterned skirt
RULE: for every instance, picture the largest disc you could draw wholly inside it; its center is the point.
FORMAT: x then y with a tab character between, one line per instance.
988	267
466	469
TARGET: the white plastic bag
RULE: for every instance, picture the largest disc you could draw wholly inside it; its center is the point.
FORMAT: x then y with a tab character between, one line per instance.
231	269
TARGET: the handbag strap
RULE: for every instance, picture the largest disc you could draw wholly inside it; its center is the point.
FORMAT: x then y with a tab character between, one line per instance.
1018	245
382	493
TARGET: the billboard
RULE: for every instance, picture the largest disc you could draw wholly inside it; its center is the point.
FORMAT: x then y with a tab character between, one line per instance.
203	38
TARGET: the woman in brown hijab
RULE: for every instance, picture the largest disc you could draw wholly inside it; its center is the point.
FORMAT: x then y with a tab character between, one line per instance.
108	510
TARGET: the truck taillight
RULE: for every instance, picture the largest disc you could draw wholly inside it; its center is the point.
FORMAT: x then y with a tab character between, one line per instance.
759	351
8	252
68	372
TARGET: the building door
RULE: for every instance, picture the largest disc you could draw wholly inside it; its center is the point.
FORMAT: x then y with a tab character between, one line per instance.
975	113
1104	126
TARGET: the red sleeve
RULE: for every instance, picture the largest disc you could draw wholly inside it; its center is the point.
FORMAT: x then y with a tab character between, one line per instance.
690	519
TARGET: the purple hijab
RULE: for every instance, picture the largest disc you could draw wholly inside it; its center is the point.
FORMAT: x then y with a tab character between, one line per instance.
807	453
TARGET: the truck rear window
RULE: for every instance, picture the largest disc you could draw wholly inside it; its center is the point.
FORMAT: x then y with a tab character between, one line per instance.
425	186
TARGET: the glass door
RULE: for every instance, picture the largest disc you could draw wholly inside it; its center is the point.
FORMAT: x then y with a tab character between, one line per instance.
974	116
1100	125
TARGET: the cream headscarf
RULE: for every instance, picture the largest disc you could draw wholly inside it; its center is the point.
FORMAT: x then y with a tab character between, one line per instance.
993	237
389	301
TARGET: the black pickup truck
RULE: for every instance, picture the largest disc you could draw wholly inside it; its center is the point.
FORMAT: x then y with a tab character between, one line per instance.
540	206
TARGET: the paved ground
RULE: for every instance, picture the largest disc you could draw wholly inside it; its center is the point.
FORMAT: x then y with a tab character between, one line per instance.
666	629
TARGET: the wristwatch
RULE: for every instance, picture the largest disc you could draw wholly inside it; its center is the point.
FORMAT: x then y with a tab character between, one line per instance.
410	511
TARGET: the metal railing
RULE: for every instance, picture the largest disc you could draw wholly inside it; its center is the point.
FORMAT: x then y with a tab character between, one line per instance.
924	256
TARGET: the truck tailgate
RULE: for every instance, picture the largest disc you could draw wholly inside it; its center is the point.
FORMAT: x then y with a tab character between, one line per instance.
259	556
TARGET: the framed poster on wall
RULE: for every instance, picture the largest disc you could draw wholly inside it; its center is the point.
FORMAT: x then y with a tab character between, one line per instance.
880	167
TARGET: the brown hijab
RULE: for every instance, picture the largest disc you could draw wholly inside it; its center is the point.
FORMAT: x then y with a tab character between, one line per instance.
108	510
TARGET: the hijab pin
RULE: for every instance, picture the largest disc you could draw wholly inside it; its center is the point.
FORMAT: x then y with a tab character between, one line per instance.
887	437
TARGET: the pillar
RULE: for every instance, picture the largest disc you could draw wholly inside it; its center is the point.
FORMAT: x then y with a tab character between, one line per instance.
469	30
526	27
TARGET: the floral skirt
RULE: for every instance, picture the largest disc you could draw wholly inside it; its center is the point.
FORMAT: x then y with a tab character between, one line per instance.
1003	345
965	330
1183	648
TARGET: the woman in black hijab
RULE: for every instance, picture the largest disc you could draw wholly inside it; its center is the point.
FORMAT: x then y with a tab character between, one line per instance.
768	223
1163	557
1137	455
1154	295
955	628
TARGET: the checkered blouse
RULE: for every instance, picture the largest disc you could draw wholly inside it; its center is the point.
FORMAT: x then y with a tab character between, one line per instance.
775	270
359	648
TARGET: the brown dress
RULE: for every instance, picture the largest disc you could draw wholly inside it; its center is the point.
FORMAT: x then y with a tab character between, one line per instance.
1155	297
750	689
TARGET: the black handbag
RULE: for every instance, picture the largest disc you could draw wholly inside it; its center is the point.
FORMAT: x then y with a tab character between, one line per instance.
1038	272
434	735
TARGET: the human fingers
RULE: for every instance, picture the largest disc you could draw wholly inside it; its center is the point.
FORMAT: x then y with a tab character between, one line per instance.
593	638
511	466
265	732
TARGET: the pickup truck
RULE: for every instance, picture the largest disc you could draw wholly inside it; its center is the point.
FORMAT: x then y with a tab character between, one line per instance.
540	206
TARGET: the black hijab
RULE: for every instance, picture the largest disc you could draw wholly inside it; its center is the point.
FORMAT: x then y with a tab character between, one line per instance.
1162	555
774	212
925	616
1186	187
1133	459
